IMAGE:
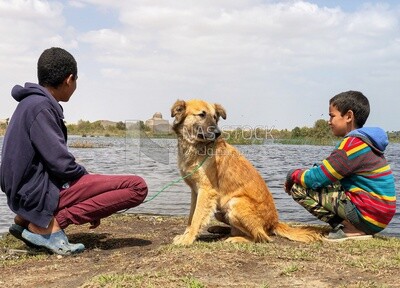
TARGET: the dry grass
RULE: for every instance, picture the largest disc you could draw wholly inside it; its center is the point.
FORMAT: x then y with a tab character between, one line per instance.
136	251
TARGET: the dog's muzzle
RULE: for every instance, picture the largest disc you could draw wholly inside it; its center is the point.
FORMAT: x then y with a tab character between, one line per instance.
217	132
214	134
211	135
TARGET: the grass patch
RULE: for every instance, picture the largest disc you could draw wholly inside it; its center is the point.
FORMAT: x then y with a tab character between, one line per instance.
147	280
129	250
193	283
14	252
290	269
119	280
364	284
358	254
353	254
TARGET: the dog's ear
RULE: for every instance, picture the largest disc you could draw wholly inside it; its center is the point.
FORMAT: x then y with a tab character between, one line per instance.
178	110
220	111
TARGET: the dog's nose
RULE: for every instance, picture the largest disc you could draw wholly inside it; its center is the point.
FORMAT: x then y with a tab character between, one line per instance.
217	132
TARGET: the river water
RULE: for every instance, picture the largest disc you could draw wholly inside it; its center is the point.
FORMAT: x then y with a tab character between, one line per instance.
155	161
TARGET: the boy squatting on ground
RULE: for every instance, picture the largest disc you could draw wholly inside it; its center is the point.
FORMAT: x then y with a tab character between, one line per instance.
45	187
353	189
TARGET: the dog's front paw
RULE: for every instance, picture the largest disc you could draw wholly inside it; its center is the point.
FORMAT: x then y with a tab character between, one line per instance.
183	239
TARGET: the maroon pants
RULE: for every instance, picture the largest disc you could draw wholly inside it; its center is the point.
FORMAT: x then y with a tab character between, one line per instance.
96	196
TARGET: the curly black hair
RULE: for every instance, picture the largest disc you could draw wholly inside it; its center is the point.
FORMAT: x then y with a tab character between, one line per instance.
354	101
54	66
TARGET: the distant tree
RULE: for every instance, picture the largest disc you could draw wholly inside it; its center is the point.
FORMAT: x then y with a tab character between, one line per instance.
306	132
144	127
96	126
121	125
83	126
296	132
321	129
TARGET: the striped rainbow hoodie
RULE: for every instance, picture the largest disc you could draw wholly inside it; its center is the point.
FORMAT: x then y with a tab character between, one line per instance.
360	166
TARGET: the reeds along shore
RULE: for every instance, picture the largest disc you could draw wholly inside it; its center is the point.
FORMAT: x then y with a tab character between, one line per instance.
319	134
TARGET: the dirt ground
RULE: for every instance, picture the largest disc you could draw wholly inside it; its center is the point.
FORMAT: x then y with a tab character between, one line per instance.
135	251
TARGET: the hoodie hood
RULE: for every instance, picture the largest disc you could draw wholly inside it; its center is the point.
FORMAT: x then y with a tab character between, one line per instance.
19	93
374	136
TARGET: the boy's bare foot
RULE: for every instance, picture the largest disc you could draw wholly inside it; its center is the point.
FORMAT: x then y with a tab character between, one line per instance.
52	228
346	231
21	221
350	230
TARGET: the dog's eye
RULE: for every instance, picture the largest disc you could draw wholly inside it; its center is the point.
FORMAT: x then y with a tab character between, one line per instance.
202	114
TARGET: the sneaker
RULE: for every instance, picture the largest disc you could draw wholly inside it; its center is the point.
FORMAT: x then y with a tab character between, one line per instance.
337	235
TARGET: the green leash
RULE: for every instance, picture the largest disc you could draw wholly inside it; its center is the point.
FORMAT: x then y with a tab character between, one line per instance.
179	179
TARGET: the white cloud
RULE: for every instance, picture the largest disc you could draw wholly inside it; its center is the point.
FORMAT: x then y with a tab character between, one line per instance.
27	27
292	34
77	4
26	23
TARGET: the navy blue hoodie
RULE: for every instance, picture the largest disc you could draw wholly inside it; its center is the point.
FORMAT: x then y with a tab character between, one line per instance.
35	161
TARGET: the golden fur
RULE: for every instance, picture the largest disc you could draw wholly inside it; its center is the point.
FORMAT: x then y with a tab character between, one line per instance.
226	184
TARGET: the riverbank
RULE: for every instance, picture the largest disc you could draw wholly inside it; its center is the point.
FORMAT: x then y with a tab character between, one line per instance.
129	250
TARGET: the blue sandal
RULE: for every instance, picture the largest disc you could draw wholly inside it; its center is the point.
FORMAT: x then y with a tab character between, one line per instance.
16	230
55	242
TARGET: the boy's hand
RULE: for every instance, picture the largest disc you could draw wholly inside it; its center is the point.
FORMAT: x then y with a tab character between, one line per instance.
288	186
289	181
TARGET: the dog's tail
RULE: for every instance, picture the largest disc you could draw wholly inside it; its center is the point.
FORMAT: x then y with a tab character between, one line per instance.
305	234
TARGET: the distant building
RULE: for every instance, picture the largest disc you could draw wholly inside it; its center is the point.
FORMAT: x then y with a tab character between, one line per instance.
157	124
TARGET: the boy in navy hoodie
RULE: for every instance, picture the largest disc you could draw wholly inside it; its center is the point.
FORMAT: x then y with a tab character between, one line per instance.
353	189
45	187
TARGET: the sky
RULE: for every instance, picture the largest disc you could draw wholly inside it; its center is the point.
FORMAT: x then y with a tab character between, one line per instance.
272	64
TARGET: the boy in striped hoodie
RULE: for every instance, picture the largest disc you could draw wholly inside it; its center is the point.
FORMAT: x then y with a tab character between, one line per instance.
353	189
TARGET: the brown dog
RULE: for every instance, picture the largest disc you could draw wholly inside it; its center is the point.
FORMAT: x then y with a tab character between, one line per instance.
226	183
